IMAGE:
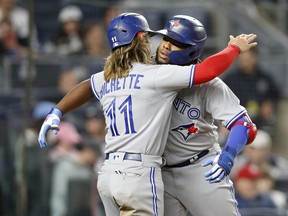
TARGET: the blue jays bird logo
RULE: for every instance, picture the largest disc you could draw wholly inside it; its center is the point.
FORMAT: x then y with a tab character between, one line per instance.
174	23
186	130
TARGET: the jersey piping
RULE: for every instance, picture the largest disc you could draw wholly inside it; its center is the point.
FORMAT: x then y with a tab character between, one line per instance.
94	88
231	122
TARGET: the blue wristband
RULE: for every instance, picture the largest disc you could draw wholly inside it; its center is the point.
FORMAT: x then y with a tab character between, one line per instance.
226	161
237	139
56	111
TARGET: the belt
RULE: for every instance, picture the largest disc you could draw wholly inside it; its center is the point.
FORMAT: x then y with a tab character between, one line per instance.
127	156
191	161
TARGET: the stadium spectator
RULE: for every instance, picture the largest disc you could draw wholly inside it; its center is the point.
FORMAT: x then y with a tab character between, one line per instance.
69	38
73	161
260	153
8	39
19	19
95	125
94	42
69	78
247	193
36	183
256	90
266	185
95	137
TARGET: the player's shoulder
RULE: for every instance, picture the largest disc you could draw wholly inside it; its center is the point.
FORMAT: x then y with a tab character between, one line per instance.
140	67
214	85
213	82
98	76
175	69
156	68
218	81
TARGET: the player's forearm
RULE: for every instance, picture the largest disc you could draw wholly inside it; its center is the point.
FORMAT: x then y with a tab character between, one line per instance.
215	65
237	139
242	133
78	96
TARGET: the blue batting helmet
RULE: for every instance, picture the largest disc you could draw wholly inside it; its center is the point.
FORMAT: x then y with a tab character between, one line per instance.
187	30
123	28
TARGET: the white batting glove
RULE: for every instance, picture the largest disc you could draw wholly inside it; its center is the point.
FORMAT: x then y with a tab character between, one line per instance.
221	167
52	121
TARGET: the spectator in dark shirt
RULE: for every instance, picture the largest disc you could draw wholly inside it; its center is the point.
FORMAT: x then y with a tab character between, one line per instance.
69	39
256	90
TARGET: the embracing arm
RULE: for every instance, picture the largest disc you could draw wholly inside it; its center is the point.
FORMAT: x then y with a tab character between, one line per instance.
78	96
217	64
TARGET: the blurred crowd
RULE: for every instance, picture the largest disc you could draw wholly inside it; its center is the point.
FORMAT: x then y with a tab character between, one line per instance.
258	177
61	180
72	33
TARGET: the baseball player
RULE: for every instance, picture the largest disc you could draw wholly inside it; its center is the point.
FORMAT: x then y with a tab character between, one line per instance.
196	174
137	98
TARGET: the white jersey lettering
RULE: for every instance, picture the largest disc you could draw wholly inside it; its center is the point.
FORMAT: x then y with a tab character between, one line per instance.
183	107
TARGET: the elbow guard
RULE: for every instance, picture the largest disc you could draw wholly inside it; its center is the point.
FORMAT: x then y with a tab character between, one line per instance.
251	128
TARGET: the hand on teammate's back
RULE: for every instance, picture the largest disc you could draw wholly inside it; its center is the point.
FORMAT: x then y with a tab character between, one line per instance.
243	41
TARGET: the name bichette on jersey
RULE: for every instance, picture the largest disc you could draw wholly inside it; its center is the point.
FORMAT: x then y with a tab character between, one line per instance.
132	81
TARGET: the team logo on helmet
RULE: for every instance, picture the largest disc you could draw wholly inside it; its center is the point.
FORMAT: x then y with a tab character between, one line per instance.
186	130
174	23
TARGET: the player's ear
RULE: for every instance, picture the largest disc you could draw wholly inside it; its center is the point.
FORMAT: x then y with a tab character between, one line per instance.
140	35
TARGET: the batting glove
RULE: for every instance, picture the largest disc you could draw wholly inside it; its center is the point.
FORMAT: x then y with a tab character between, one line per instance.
221	167
52	121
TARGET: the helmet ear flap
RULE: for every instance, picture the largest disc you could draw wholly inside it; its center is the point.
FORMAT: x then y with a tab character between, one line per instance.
193	53
186	56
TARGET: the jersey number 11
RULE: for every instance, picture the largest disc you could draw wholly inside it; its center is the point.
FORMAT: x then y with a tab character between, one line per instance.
126	110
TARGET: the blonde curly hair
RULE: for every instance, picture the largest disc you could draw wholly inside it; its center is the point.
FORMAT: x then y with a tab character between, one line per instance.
120	60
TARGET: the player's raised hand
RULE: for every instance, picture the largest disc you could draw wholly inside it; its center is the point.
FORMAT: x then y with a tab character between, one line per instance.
221	167
243	41
52	121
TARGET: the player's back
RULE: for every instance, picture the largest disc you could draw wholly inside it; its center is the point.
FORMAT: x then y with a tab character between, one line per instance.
137	108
